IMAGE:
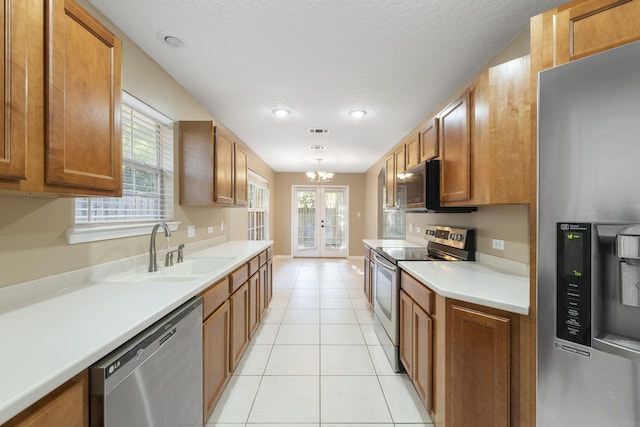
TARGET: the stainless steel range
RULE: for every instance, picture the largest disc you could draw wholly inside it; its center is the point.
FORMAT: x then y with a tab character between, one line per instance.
444	244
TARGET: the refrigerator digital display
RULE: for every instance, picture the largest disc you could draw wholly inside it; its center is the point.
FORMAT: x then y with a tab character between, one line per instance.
573	291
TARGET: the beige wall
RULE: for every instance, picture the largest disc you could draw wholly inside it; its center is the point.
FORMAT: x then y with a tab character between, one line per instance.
32	228
508	223
282	195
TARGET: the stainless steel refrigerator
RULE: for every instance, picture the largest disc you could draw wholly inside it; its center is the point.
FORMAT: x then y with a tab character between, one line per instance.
588	252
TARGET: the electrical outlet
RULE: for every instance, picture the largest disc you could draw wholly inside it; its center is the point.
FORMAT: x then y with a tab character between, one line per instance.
222	226
498	244
411	226
191	231
418	230
210	230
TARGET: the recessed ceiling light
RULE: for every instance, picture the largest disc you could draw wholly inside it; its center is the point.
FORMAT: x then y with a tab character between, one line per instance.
170	39
357	114
281	112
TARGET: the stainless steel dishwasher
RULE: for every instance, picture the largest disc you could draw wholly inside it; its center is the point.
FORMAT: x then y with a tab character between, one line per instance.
155	379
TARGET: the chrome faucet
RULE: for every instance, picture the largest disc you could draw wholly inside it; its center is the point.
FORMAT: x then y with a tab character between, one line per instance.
153	263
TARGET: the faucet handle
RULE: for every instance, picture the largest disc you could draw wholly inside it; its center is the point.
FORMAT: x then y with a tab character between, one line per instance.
180	253
168	261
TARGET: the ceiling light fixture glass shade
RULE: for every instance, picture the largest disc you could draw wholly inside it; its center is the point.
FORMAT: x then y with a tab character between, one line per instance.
319	176
357	114
280	112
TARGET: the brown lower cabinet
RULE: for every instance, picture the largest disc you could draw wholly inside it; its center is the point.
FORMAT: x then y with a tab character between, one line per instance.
254	303
67	406
479	368
239	334
215	358
467	362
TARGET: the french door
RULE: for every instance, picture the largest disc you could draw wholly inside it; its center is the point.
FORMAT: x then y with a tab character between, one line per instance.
320	221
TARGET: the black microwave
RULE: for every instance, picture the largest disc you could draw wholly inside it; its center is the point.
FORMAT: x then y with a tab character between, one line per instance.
418	189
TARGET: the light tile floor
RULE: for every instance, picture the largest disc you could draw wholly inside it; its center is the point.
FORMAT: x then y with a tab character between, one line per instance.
315	359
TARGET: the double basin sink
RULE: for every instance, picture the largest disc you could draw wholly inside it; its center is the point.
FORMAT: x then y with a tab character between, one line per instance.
190	269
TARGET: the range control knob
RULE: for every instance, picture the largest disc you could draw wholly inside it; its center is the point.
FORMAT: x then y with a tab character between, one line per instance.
460	237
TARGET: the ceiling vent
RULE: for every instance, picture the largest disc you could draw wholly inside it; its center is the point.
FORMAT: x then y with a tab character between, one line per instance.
317	147
317	131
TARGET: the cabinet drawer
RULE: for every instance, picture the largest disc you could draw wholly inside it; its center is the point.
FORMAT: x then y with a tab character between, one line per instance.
422	295
254	264
238	277
269	253
262	258
214	297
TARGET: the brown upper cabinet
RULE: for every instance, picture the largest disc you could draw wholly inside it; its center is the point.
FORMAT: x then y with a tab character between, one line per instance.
501	134
582	28
412	150
455	156
223	170
213	169
241	174
13	139
70	63
390	181
429	140
84	136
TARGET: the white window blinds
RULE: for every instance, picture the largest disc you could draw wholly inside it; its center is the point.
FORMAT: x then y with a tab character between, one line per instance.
147	171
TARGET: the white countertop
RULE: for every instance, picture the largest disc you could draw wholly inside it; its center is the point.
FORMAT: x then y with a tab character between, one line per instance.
49	338
473	282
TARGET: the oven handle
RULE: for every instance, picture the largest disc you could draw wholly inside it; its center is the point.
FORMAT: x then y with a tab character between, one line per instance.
384	263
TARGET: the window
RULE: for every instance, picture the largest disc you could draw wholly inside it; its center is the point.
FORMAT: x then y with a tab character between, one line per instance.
258	207
147	171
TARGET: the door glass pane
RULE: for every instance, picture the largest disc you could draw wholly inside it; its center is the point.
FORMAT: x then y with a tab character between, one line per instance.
306	219
334	221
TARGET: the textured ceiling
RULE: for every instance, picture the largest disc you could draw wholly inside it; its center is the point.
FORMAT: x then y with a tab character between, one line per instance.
320	59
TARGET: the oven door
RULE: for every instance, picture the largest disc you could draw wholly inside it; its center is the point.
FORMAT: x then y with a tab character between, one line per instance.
386	296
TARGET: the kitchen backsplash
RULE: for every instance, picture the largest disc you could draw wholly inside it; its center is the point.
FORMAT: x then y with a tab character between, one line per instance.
508	223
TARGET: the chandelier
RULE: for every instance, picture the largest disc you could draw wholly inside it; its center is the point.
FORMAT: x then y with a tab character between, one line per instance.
319	176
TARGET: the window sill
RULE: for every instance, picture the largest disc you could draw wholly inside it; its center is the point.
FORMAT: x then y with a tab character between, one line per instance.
95	233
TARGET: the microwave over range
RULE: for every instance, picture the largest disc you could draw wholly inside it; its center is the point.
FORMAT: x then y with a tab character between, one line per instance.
418	189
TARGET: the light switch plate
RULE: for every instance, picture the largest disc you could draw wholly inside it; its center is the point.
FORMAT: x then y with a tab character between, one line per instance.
210	230
191	231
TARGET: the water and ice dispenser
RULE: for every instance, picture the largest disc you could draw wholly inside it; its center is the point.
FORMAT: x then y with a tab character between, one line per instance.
598	286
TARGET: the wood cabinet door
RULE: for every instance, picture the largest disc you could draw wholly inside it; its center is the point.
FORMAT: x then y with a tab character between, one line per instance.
390	181
67	406
422	374
429	140
412	150
84	92
595	26
263	292
13	133
195	139
269	284
215	358
479	368
400	159
455	166
406	333
239	334
223	168
254	303
241	177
